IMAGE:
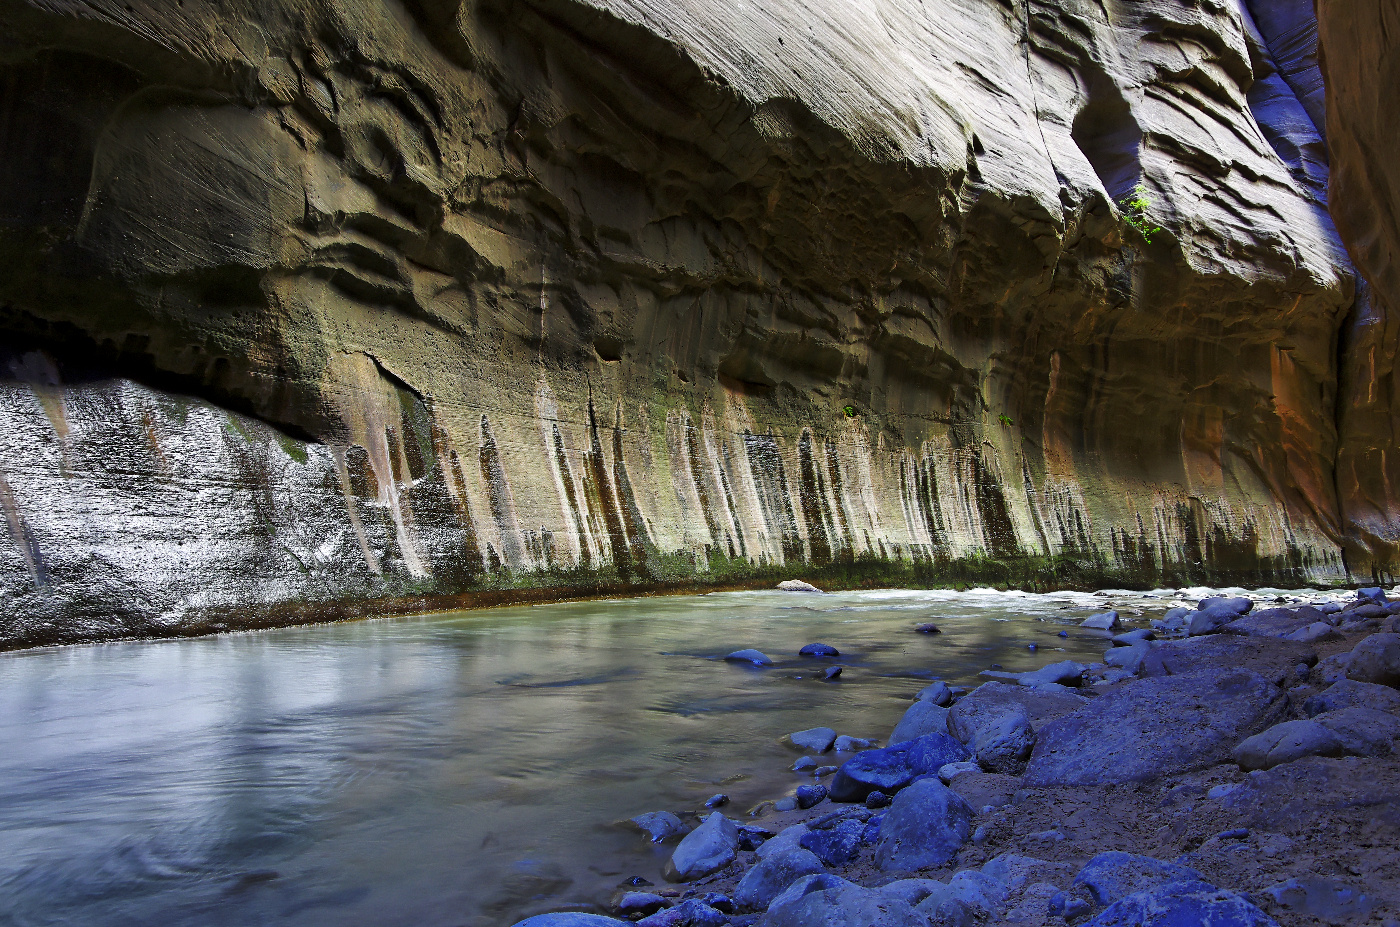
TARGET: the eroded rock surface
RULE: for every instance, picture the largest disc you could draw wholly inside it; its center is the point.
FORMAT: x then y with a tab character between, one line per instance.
366	307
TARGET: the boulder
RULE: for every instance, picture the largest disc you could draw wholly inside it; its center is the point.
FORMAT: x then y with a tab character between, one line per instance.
1313	633
789	837
828	901
912	891
819	650
1286	742
810	795
1273	622
1112	876
690	913
1238	605
797	585
571	919
775	872
816	739
1130	638
969	898
893	768
1065	672
1350	693
1129	659
1376	660
925	716
1371	595
709	848
1004	744
993	699
750	656
924	828
938	693
1362	731
1209	620
660	826
1156	727
1325	899
1180	904
1272	659
835	845
642	903
1103	621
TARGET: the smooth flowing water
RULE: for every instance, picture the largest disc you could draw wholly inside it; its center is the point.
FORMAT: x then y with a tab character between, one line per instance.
457	769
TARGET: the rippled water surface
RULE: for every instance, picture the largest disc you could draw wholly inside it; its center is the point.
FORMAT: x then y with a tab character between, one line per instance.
458	769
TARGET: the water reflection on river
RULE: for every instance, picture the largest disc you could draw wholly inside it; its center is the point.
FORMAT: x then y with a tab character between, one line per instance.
460	769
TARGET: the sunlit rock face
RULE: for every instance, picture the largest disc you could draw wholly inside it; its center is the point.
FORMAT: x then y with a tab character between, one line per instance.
1361	51
319	308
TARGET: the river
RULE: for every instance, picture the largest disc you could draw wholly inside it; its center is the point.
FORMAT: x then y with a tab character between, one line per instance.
450	769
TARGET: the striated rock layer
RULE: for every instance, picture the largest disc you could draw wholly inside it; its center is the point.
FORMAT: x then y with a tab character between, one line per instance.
322	307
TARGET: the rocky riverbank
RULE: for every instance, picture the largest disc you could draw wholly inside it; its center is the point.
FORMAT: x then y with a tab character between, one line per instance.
1224	765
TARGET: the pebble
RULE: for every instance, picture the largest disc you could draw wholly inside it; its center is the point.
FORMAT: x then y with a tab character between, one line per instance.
716	801
877	799
809	795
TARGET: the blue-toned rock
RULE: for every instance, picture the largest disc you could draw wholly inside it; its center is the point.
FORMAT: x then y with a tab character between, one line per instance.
1103	621
836	845
924	828
571	919
1111	876
692	913
925	716
819	650
710	847
660	826
750	656
1372	595
775	872
809	795
828	901
1183	904
893	768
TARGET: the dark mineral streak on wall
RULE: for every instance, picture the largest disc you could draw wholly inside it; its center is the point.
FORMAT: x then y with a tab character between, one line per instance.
320	307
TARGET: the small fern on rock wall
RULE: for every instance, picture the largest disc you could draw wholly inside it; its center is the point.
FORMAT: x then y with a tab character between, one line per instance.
1135	206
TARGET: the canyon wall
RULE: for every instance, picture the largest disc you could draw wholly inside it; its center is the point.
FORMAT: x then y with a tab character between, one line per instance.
316	308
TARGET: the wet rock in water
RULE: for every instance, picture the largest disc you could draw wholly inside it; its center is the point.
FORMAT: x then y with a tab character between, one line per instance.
1112	876
751	838
775	872
928	627
1350	693
925	827
1151	728
691	913
838	844
750	656
829	901
937	692
717	801
1210	620
1004	744
797	585
816	739
571	919
1327	899
831	672
710	847
847	744
785	804
1129	638
822	772
819	650
1183	903
642	903
788	837
1286	742
1376	660
809	795
804	764
1103	621
660	826
893	768
923	717
1238	605
877	799
1063	673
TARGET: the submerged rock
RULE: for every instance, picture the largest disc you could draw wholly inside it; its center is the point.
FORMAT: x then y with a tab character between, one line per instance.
819	650
754	657
816	739
660	826
797	585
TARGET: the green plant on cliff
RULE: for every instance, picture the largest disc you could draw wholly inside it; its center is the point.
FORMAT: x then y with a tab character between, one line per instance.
1005	420
1135	206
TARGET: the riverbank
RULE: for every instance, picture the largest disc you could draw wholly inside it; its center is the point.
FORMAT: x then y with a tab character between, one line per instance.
1243	774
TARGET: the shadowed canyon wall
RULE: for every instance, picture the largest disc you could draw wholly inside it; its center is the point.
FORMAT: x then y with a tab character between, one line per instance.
327	307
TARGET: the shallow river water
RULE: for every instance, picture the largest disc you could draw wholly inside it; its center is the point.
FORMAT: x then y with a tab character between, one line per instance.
453	769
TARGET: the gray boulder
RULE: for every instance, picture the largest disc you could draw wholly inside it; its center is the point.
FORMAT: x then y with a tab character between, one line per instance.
1130	638
775	872
1209	620
710	847
1111	876
788	838
1326	899
691	913
1221	653
924	828
1349	693
993	699
893	768
1004	744
1103	621
828	901
1362	731
1286	742
571	919
753	657
660	826
816	739
1273	622
1377	660
1371	595
1236	605
1312	633
912	891
835	845
923	717
1180	904
1130	658
797	585
1065	672
938	693
1154	727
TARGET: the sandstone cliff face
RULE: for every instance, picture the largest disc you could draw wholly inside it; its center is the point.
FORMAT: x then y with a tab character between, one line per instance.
1362	63
326	306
